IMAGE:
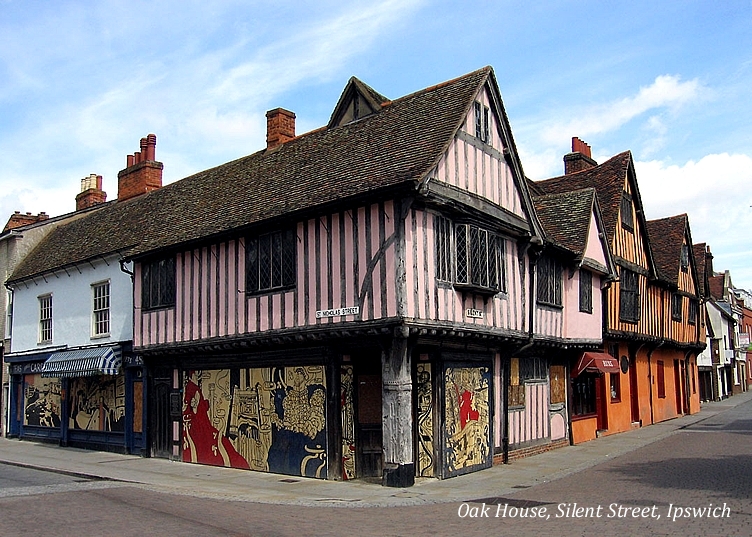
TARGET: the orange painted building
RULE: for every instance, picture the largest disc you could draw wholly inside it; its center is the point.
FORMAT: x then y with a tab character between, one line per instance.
652	328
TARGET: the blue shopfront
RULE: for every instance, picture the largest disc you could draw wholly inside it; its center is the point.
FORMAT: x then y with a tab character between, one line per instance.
92	398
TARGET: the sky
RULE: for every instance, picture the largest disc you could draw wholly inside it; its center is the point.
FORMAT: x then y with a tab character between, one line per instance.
82	81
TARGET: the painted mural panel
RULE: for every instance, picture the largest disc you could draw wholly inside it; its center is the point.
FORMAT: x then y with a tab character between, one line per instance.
268	419
41	401
97	403
347	409
467	437
426	466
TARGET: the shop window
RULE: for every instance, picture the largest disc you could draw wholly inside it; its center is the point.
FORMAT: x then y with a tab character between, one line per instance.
549	281
586	291
270	261
158	283
660	379
583	395
615	387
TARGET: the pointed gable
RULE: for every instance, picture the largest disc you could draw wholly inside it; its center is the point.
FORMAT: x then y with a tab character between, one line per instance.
357	101
700	252
667	238
572	220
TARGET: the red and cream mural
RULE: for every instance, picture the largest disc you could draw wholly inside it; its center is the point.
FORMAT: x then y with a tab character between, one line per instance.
97	403
270	419
467	437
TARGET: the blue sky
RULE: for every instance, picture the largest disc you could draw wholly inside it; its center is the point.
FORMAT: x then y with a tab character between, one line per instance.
81	82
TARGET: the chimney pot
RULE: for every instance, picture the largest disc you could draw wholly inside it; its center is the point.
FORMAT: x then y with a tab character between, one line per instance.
91	192
143	173
579	159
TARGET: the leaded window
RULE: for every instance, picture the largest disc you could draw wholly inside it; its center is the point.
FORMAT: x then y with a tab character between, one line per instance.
443	249
45	319
478	257
270	261
629	296
586	291
685	258
101	309
583	395
693	308
158	283
549	281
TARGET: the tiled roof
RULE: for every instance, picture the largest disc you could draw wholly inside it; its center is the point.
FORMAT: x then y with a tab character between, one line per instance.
396	146
716	286
608	180
566	218
666	239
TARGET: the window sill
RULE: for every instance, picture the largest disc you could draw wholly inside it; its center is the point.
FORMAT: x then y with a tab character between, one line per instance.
157	308
476	289
550	305
577	417
274	291
100	336
616	399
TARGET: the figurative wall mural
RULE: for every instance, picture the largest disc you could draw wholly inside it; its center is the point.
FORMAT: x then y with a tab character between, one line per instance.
426	466
467	437
97	403
348	423
269	419
41	401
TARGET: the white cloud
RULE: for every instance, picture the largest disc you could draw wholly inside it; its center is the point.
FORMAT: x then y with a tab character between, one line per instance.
716	193
666	92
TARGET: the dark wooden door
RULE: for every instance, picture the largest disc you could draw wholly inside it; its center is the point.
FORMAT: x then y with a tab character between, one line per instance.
678	387
601	402
634	396
369	427
160	421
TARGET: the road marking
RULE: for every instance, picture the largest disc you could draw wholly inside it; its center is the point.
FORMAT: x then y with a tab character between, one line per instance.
56	489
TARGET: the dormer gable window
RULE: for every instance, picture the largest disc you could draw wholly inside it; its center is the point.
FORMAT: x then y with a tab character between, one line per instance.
482	123
685	258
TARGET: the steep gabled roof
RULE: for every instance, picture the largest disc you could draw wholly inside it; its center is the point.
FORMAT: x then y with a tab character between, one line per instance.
396	147
716	286
608	180
666	239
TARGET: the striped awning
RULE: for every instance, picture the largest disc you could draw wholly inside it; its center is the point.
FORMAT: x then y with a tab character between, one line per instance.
83	362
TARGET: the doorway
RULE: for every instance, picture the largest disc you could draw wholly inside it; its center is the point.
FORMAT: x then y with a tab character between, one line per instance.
160	422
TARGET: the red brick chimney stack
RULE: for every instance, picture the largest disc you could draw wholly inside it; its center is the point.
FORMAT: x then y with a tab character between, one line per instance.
142	173
579	159
280	127
17	220
91	192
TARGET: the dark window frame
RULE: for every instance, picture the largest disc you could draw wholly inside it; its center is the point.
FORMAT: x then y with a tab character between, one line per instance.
482	122
677	305
443	237
684	258
694	307
629	296
271	262
549	286
627	218
158	287
586	291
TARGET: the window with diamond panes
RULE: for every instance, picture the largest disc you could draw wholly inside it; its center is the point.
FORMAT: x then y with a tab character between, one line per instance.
158	283
45	318
443	249
549	281
101	308
270	261
478	257
677	301
586	291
